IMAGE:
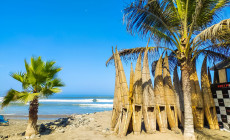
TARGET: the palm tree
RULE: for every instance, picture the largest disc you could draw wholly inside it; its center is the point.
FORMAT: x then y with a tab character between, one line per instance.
182	28
39	80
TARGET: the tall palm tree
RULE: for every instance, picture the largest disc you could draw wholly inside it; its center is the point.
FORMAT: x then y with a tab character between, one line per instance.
39	80
183	28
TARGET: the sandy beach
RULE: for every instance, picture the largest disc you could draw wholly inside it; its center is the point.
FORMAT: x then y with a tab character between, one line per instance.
94	126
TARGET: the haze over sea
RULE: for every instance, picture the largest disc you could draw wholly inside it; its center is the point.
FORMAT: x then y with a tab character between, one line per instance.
63	104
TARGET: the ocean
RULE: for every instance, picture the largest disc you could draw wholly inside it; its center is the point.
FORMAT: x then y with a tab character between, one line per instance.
62	104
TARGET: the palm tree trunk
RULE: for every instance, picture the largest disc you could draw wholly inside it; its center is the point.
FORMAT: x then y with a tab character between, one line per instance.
188	116
33	117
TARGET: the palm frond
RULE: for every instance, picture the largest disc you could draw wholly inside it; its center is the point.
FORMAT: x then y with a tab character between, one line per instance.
217	32
158	16
26	97
128	54
12	95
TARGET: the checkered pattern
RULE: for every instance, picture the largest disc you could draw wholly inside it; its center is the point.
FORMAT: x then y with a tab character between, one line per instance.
221	98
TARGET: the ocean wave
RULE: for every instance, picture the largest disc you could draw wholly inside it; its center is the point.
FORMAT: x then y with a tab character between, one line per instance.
73	100
66	101
96	105
104	100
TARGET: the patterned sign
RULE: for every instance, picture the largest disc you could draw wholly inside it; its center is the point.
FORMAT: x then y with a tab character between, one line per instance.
221	96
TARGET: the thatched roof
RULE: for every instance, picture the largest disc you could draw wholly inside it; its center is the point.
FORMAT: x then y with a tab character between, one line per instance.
222	65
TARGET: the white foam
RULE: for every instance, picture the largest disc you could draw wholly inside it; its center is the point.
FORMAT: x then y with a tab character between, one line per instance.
66	101
97	105
1	98
104	100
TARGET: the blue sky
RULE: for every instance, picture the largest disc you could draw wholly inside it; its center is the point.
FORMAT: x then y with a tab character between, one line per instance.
78	35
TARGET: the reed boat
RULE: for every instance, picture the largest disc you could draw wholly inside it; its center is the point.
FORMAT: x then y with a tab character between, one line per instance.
149	110
161	115
197	100
131	83
126	106
137	98
117	99
178	96
169	96
209	105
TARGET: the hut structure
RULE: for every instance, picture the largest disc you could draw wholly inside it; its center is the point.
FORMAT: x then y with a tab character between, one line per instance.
149	111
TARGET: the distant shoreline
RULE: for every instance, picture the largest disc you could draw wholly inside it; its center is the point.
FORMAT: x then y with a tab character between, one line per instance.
40	117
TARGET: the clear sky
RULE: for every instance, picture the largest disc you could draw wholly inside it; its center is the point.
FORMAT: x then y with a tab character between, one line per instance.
77	34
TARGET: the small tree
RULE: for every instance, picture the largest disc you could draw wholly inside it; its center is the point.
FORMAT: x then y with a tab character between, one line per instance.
39	80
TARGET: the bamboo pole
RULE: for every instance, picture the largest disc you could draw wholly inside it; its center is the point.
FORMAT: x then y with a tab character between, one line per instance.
179	96
149	110
160	98
209	105
197	100
126	106
137	98
169	96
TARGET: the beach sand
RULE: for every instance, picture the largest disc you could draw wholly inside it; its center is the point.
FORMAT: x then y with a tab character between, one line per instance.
95	127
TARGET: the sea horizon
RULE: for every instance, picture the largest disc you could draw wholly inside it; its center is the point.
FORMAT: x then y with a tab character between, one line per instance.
60	105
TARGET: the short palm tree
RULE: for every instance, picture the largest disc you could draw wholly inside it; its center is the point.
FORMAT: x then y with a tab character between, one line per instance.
182	28
38	80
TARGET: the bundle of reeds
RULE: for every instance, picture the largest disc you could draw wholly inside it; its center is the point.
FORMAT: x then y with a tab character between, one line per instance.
137	98
131	83
126	112
169	96
178	96
149	111
209	106
159	97
117	98
197	99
